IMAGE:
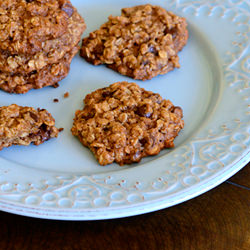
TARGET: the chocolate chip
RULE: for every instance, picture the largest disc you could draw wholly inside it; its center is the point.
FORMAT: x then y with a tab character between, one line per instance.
143	111
33	72
34	116
44	132
90	115
106	94
143	141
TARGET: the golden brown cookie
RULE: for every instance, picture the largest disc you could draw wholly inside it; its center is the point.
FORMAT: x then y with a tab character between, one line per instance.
51	51
26	24
47	76
141	43
25	125
124	123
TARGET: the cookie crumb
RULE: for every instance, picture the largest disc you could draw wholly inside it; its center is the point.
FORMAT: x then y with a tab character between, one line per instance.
60	129
66	95
55	100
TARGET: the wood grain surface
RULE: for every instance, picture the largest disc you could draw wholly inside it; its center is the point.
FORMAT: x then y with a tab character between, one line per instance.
218	219
242	177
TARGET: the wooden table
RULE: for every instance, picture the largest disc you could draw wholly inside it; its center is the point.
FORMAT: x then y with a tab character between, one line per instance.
216	220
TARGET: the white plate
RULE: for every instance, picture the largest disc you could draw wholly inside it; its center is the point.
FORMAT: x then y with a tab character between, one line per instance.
60	179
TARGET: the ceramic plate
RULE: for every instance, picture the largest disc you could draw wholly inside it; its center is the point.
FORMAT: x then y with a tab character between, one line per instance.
61	179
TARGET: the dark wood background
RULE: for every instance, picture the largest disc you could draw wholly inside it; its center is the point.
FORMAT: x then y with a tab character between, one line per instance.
216	220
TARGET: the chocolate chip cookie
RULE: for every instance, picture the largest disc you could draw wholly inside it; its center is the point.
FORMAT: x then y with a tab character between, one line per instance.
25	125
141	43
123	123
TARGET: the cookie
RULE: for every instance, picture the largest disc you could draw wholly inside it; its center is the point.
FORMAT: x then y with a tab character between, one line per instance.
25	25
47	76
141	43
52	50
123	123
25	125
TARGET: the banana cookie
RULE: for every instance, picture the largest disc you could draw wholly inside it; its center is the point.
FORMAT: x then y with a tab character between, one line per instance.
123	123
47	76
141	43
52	50
25	25
38	39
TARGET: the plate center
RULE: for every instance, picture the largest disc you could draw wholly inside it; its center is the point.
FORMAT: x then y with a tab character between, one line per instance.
195	87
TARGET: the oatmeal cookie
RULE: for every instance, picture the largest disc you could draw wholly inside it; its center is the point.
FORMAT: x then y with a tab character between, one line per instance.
25	125
26	24
52	50
47	76
141	43
124	123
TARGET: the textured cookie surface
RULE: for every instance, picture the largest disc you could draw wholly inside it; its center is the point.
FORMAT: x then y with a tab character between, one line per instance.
24	24
52	50
47	76
25	125
124	123
141	43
